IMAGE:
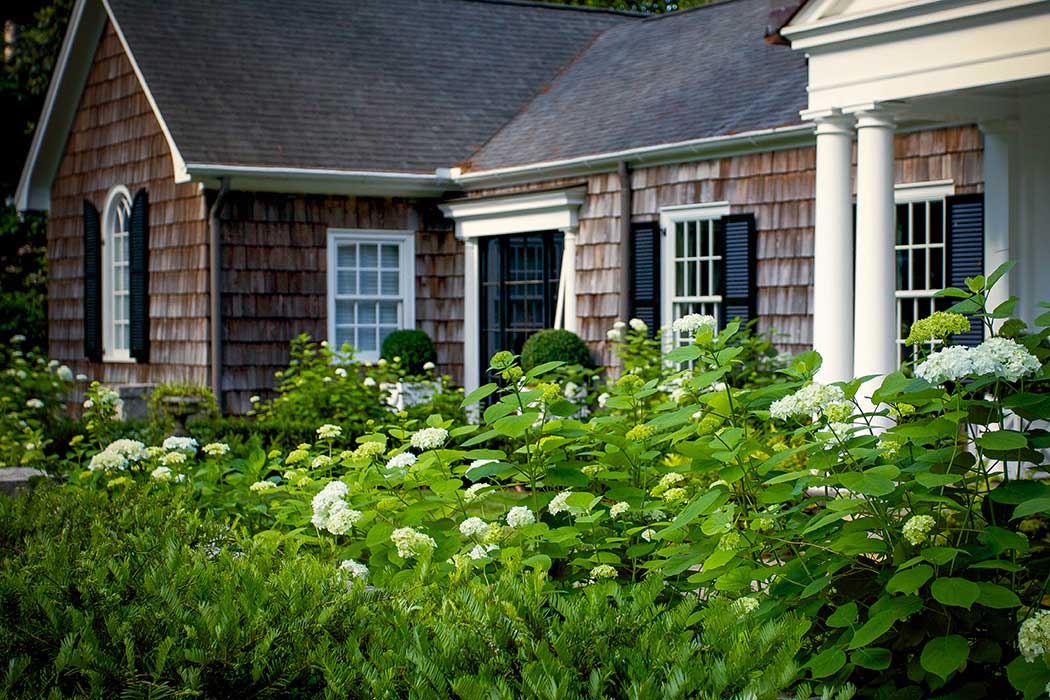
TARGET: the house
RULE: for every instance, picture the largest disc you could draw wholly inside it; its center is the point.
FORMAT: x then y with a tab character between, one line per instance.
481	169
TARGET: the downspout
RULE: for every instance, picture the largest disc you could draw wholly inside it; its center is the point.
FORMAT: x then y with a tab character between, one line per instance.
626	252
215	287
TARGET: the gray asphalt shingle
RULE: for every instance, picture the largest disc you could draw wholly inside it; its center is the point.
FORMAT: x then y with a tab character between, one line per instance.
686	75
400	85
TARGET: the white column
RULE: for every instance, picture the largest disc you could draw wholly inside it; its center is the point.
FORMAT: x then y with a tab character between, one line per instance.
833	250
567	286
471	316
875	311
1000	139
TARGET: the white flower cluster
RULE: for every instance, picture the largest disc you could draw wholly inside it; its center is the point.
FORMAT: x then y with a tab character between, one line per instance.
479	463
216	449
171	459
482	550
34	404
475	492
260	486
1033	639
398	464
745	605
615	333
603	571
411	543
917	529
520	516
638	325
1001	357
331	511
329	432
429	366
161	474
64	373
117	455
559	504
474	527
180	444
429	438
691	323
107	398
810	400
353	569
618	509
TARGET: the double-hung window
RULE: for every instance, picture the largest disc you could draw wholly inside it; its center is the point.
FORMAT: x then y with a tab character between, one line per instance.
116	275
371	288
693	260
922	255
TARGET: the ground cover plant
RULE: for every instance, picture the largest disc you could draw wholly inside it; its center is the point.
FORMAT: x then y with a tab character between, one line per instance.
900	550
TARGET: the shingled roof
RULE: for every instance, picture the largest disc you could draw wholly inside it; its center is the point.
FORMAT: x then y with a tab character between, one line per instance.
686	75
377	85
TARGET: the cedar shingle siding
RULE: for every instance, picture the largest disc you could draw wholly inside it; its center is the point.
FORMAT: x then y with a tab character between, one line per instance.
116	140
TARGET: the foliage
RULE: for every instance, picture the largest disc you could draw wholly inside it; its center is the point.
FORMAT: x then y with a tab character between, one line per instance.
172	400
138	595
31	404
23	276
412	349
555	345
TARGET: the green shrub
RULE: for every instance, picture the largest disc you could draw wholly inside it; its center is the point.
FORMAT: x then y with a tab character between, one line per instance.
555	345
414	348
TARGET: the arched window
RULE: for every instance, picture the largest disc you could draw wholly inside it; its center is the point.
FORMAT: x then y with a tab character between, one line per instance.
116	275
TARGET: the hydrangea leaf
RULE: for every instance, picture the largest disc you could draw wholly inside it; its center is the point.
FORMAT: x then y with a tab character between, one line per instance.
955	591
827	662
909	580
944	655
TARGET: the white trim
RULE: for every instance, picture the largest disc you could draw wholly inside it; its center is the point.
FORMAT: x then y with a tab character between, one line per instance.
406	269
471	316
669	216
922	191
776	138
109	351
323	180
523	213
178	164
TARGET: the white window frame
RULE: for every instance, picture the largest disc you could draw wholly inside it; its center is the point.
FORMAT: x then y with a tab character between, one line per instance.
669	218
406	283
111	353
912	194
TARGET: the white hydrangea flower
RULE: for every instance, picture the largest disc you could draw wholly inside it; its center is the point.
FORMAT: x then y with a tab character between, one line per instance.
342	518
520	516
475	492
411	543
254	399
107	461
809	401
614	335
648	534
603	571
603	398
1004	358
917	529
474	527
216	449
34	404
429	366
639	325
329	432
429	438
368	381
482	550
161	474
82	377
173	458
619	509
341	373
399	463
1033	639
326	502
64	373
182	444
558	504
320	462
948	365
745	604
260	486
354	569
132	450
691	323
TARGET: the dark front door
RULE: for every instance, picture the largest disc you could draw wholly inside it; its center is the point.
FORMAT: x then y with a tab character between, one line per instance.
519	289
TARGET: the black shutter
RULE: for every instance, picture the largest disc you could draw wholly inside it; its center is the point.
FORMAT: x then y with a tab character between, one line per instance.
92	283
736	235
965	214
138	273
645	274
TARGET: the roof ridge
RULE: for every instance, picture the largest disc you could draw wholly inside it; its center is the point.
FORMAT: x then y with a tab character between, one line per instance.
564	7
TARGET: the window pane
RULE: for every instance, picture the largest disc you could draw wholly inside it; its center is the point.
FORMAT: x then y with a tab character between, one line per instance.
902	269
679	279
390	257
390	281
691	279
346	255
388	312
902	224
343	336
369	281
690	242
918	222
369	255
918	269
366	339
937	222
936	268
366	313
679	250
346	282
344	312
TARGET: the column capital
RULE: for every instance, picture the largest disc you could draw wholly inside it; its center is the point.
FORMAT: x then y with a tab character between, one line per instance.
570	230
877	118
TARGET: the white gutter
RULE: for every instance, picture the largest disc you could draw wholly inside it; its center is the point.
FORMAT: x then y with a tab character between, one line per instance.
322	180
759	139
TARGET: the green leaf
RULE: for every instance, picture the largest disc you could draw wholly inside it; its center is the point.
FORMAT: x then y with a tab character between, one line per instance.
867	483
686	353
955	591
826	662
874	658
909	580
998	273
445	487
498	410
939	556
538	561
1003	440
944	655
844	615
873	629
515	426
580	500
702	505
718	559
543	369
933	481
1000	540
998	597
1036	505
1029	679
